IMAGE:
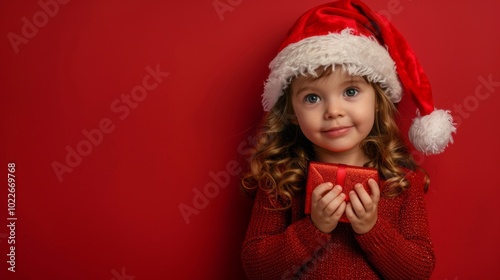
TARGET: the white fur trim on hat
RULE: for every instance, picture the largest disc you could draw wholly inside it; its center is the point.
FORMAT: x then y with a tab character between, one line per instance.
359	55
431	133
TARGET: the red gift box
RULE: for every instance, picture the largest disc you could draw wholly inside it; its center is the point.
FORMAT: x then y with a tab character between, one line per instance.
339	174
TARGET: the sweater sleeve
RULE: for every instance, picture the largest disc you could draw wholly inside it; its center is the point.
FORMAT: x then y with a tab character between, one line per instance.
407	252
274	249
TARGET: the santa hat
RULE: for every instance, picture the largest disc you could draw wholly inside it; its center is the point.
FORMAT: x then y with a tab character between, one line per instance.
349	34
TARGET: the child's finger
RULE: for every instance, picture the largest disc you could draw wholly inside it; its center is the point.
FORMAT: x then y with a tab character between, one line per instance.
337	214
356	204
319	192
329	196
375	189
336	207
363	195
349	212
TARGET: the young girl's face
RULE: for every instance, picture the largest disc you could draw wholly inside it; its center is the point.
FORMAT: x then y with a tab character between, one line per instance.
335	112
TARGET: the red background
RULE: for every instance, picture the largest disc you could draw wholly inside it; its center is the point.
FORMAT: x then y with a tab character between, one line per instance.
116	214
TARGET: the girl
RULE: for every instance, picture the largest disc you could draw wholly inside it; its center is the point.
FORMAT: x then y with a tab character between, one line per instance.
330	97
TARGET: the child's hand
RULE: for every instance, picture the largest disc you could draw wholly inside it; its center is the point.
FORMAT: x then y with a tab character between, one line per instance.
362	209
327	206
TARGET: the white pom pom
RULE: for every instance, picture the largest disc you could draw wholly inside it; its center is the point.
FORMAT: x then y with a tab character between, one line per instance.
431	134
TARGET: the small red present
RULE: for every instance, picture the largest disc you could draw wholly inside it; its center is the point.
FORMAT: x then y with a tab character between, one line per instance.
338	174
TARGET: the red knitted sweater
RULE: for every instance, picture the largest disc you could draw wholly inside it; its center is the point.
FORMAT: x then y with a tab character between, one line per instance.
286	245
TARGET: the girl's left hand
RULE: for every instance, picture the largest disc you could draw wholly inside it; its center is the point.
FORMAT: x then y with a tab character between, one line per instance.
362	208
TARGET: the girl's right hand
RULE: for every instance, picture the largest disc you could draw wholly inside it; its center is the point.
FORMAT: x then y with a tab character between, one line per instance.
327	206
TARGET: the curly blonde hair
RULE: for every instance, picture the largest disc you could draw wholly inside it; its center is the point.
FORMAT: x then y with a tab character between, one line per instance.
278	163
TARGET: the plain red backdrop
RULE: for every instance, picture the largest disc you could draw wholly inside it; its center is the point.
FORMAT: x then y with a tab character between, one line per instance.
71	68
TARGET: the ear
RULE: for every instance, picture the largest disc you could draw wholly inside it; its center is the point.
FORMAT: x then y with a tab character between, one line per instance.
293	119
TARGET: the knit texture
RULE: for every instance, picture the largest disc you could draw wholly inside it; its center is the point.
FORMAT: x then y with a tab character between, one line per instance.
286	245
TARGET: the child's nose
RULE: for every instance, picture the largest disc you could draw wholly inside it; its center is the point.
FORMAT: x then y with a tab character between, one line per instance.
333	109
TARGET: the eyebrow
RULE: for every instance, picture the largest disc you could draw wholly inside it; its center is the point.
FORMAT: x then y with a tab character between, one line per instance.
355	79
352	80
306	88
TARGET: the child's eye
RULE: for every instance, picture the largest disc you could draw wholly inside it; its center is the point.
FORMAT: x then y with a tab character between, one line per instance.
351	92
311	98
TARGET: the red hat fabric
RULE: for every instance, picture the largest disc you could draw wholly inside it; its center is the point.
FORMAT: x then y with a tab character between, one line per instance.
349	34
